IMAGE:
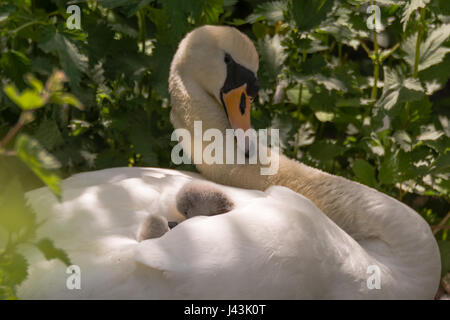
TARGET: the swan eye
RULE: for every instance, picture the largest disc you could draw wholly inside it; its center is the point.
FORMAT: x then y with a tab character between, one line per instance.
227	58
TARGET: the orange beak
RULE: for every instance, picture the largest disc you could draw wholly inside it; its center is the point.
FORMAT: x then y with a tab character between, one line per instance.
238	106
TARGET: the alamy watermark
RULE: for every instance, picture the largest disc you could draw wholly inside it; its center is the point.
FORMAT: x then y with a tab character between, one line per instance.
74	279
374	280
374	20
251	146
74	20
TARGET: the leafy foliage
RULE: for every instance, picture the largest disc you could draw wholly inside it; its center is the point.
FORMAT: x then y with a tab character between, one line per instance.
368	105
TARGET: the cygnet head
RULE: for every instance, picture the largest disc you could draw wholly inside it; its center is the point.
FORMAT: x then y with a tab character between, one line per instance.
202	199
154	226
217	64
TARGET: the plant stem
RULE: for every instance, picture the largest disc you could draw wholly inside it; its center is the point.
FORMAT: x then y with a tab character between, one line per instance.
376	70
13	131
418	42
391	51
416	57
27	25
441	224
376	73
299	104
142	28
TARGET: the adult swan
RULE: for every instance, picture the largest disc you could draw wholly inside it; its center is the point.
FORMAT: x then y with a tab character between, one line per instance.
299	233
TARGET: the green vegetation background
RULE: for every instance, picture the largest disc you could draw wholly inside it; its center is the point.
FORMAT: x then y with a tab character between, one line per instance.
369	106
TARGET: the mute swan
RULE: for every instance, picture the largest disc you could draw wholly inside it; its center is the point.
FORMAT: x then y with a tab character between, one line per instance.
300	233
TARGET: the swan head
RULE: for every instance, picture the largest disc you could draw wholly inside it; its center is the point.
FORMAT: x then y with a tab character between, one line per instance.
213	79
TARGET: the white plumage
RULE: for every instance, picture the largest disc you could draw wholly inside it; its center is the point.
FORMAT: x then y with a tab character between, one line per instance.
273	245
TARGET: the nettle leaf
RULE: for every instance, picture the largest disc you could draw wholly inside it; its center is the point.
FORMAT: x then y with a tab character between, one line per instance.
388	170
270	11
13	269
324	116
397	89
160	64
286	125
14	214
179	11
272	57
72	60
48	134
441	7
442	163
322	104
325	151
117	23
410	8
211	10
140	137
402	138
432	50
50	252
430	133
43	164
309	14
364	172
407	169
7	292
435	77
111	4
14	64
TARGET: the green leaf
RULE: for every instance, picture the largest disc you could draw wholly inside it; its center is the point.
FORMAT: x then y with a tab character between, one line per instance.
111	4
7	292
140	136
43	164
27	100
388	171
206	11
50	252
271	11
14	213
402	138
430	133
411	7
72	60
398	89
35	83
48	134
14	64
432	50
66	98
324	116
364	172
324	151
13	269
442	163
272	57
309	14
